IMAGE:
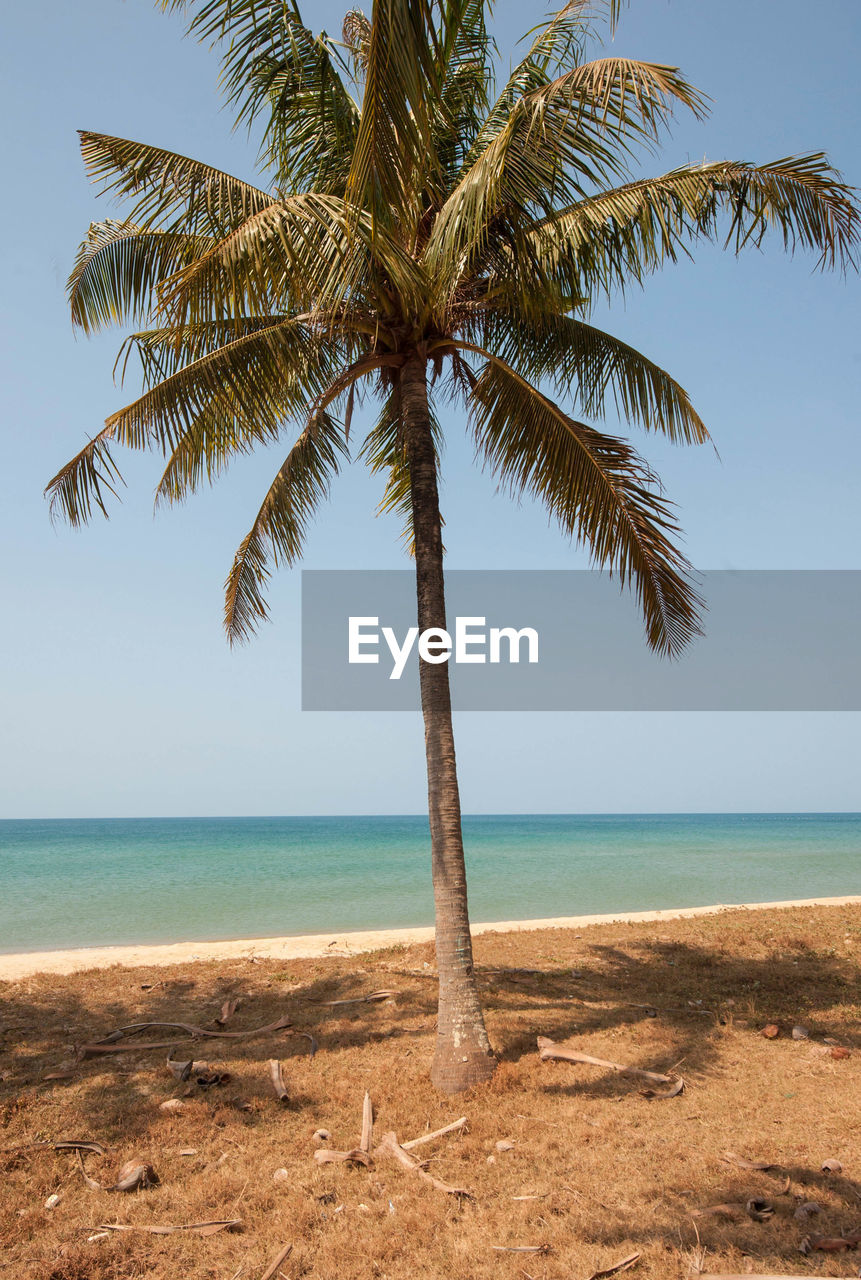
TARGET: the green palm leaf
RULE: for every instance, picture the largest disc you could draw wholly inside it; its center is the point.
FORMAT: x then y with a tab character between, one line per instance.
606	241
598	489
119	267
278	531
594	366
201	200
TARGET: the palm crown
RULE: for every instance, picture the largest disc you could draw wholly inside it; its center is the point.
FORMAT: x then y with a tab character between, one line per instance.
433	215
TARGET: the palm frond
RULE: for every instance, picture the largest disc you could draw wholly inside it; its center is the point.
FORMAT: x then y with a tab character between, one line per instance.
560	140
384	451
199	199
305	252
394	144
600	491
119	267
231	399
81	485
163	351
618	236
593	366
246	390
279	528
356	33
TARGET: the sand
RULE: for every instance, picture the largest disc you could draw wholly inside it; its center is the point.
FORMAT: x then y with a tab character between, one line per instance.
23	964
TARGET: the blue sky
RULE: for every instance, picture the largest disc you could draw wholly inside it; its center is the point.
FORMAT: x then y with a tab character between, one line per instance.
119	693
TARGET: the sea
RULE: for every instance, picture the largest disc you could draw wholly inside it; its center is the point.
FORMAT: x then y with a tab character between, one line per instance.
90	882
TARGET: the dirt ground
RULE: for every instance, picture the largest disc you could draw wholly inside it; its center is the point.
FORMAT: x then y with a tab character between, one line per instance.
589	1171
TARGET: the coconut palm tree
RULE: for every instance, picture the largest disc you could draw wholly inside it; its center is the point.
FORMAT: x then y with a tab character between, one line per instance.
422	236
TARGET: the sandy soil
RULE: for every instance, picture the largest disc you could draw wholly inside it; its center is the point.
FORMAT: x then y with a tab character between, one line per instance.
299	946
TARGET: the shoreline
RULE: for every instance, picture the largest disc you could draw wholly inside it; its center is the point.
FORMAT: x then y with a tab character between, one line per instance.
310	946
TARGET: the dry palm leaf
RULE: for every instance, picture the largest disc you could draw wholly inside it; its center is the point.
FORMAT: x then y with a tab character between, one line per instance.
662	1096
356	1156
547	1049
227	1011
276	1263
728	1209
109	1043
456	1126
367	1124
134	1175
277	1079
616	1267
756	1166
373	998
391	1147
521	1248
199	1228
759	1210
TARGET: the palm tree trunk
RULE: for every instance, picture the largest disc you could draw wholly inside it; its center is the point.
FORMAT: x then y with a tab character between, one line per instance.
463	1056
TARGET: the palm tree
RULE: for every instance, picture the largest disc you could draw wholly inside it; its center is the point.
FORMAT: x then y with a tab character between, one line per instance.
423	237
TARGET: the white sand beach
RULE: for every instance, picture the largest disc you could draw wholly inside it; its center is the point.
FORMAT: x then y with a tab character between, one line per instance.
24	964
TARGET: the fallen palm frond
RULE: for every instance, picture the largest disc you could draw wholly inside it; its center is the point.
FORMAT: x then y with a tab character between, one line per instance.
69	1144
134	1175
521	1248
373	998
277	1079
391	1147
548	1049
367	1124
356	1156
616	1267
122	1041
655	1095
201	1073
276	1263
199	1228
756	1166
456	1126
227	1011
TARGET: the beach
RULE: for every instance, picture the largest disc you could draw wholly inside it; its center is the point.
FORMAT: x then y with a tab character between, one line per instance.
308	946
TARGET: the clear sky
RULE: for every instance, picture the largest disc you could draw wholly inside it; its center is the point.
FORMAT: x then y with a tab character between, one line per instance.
120	695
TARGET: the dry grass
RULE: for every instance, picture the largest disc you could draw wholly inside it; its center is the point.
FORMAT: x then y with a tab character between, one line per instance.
611	1172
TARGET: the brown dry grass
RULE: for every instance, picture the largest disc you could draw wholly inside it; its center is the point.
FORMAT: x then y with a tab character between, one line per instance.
612	1173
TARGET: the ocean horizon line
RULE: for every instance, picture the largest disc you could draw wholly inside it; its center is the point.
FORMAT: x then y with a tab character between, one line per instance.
482	813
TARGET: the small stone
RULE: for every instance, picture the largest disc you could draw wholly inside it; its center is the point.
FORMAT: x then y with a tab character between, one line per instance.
52	1201
800	1033
771	1032
832	1166
504	1144
363	1208
491	1159
171	1105
188	1151
838	1052
281	1175
321	1135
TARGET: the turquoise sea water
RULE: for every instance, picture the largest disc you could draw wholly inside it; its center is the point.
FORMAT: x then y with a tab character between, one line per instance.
67	883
